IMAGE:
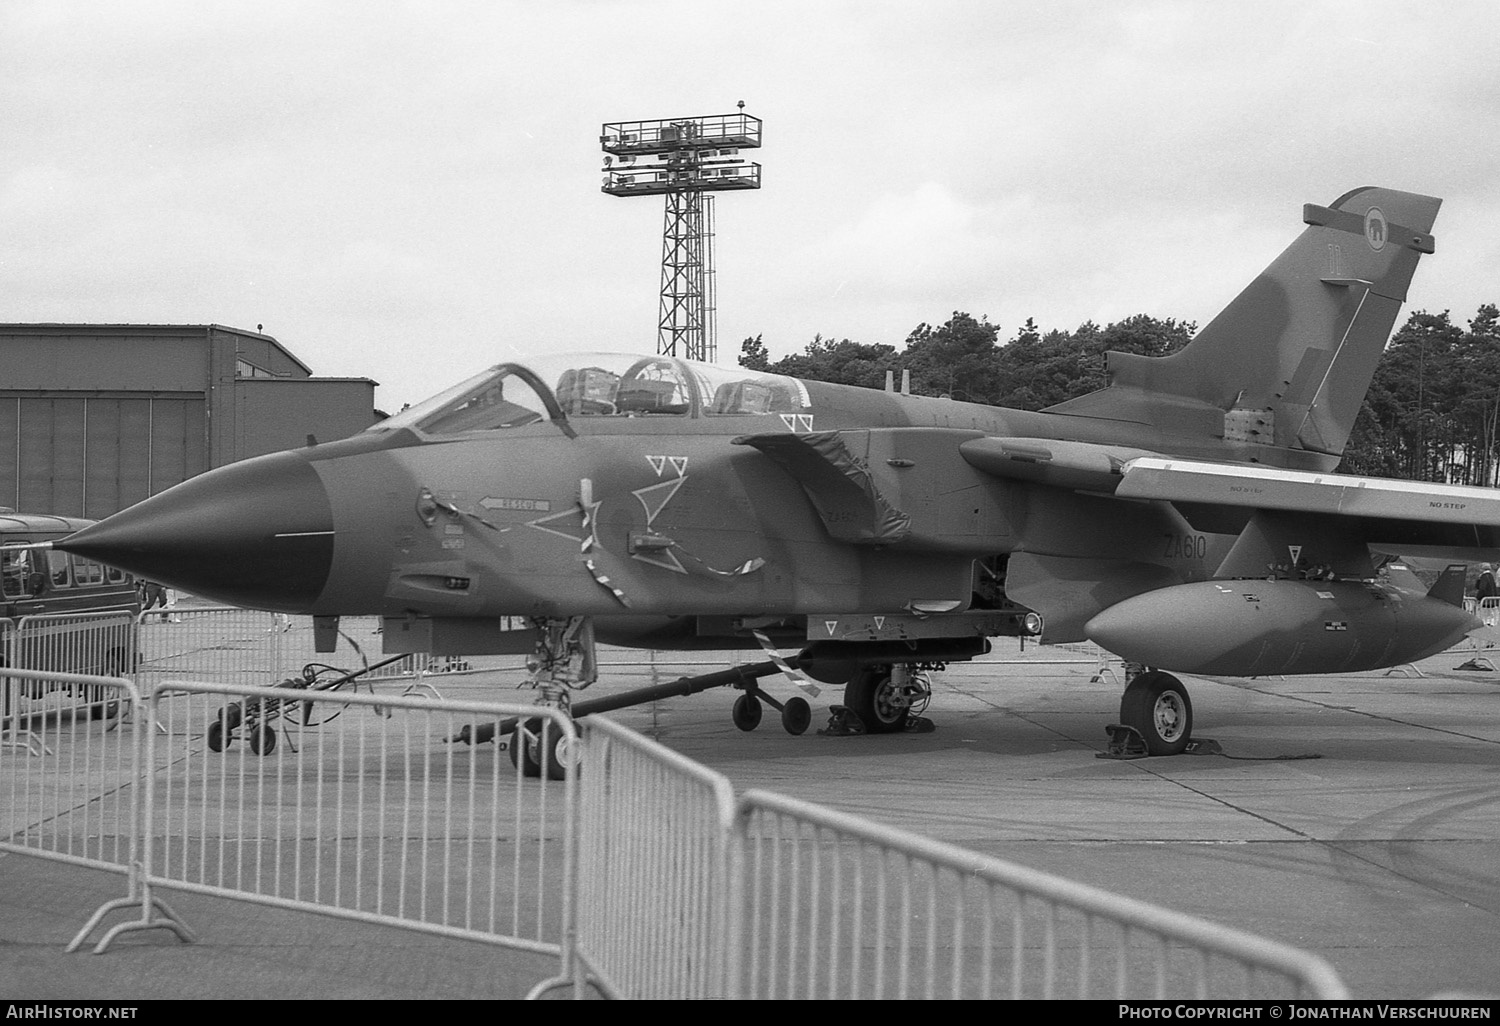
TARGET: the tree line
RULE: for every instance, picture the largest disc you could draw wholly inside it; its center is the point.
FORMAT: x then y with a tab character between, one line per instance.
1432	412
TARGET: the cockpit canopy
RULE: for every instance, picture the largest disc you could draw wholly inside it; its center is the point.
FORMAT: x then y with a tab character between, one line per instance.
571	386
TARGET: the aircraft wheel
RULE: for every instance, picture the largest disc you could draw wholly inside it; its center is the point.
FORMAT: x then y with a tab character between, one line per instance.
746	712
1157	705
877	701
263	739
796	715
520	755
564	754
216	740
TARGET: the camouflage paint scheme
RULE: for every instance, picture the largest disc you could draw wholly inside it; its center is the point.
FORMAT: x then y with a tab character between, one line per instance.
1185	516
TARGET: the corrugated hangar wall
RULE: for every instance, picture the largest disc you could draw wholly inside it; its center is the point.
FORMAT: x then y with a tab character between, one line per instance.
91	457
94	418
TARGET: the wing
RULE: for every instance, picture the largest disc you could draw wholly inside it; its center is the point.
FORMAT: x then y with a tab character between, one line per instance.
1121	522
1338	512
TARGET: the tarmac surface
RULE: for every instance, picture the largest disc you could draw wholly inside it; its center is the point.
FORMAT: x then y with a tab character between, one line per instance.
1354	816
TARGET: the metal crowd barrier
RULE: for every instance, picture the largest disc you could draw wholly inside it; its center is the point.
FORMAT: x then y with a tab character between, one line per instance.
355	806
71	780
837	907
89	643
220	645
229	645
641	871
686	892
653	913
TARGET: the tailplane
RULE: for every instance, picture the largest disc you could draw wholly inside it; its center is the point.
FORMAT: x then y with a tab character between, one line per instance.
1287	363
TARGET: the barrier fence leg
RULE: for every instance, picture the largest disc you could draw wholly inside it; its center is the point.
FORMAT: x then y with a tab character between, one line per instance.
155	914
1102	668
572	973
140	894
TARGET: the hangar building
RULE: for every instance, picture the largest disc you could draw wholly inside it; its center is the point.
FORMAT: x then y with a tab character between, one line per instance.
96	417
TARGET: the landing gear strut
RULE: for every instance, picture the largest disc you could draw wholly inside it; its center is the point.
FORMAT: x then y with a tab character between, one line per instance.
563	661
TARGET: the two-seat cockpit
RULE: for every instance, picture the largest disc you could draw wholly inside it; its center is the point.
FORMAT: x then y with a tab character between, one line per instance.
561	388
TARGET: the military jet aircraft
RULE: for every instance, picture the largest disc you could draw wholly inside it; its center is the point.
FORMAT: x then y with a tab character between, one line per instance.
1186	517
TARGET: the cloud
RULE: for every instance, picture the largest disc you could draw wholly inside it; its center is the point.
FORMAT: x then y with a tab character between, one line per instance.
381	178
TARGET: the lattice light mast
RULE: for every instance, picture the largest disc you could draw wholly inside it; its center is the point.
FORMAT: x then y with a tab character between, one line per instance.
683	159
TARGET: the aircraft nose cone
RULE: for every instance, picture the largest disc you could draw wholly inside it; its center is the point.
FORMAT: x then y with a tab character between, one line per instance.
257	533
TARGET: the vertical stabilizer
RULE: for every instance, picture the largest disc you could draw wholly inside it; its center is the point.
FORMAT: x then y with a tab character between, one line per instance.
1449	587
1288	362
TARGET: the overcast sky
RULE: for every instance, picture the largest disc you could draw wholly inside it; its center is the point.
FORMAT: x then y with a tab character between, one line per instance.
410	191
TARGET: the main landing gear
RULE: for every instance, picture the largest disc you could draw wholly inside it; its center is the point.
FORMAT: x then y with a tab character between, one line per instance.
886	697
1156	706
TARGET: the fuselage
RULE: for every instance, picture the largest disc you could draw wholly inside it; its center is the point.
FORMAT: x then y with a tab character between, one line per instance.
661	496
600	488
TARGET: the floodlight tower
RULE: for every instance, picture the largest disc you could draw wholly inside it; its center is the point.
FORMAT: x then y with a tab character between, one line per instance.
683	159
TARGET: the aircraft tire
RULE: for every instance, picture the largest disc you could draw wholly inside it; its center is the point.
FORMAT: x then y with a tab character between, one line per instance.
796	716
564	755
263	739
215	736
1157	705
746	712
873	698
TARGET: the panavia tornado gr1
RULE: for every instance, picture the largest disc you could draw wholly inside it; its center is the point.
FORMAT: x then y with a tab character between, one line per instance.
1186	517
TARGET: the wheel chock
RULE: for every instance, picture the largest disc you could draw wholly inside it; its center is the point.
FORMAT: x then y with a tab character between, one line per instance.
842	722
1127	743
1124	743
845	722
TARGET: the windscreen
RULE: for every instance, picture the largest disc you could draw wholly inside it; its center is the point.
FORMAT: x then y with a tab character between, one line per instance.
589	385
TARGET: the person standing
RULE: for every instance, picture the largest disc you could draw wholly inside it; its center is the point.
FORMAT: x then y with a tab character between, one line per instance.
1486	586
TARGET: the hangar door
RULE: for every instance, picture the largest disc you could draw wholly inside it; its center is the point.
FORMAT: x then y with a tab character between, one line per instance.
94	456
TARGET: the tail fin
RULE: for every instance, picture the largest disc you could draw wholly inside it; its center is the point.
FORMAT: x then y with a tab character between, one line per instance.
1288	362
1449	587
